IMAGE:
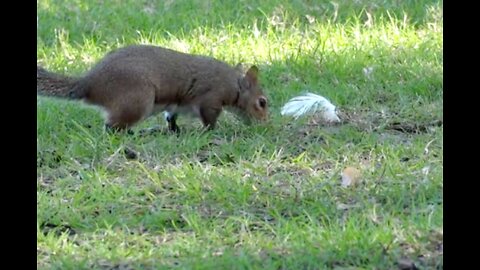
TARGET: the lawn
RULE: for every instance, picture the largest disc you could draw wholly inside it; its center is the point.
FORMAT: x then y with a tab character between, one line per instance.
265	196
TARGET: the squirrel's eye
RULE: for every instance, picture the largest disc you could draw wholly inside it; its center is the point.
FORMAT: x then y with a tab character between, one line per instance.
262	102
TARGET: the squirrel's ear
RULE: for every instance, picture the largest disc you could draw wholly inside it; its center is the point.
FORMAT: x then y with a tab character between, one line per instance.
250	79
252	75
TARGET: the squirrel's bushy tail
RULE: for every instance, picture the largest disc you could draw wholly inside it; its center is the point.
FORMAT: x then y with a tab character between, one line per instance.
56	85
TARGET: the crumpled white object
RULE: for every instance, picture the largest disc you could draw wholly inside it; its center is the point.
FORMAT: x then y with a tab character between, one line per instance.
310	103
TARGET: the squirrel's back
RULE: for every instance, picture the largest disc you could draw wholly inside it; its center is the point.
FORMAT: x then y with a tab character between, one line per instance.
171	73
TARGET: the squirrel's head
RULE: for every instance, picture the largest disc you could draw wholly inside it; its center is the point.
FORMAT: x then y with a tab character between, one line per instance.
253	104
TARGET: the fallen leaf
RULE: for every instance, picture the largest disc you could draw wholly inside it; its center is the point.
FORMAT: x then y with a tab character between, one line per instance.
350	176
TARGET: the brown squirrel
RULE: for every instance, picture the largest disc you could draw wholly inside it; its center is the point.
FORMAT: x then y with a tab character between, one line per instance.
135	82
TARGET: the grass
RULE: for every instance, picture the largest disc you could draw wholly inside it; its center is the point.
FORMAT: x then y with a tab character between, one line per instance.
250	197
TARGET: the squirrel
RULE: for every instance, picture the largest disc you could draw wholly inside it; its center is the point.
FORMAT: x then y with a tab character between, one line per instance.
135	82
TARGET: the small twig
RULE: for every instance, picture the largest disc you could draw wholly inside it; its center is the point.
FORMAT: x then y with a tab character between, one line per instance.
426	147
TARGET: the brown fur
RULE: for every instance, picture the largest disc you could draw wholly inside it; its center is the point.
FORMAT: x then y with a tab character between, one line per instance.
135	82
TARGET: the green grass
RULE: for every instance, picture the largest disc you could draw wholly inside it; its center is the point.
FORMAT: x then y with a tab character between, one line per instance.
250	197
